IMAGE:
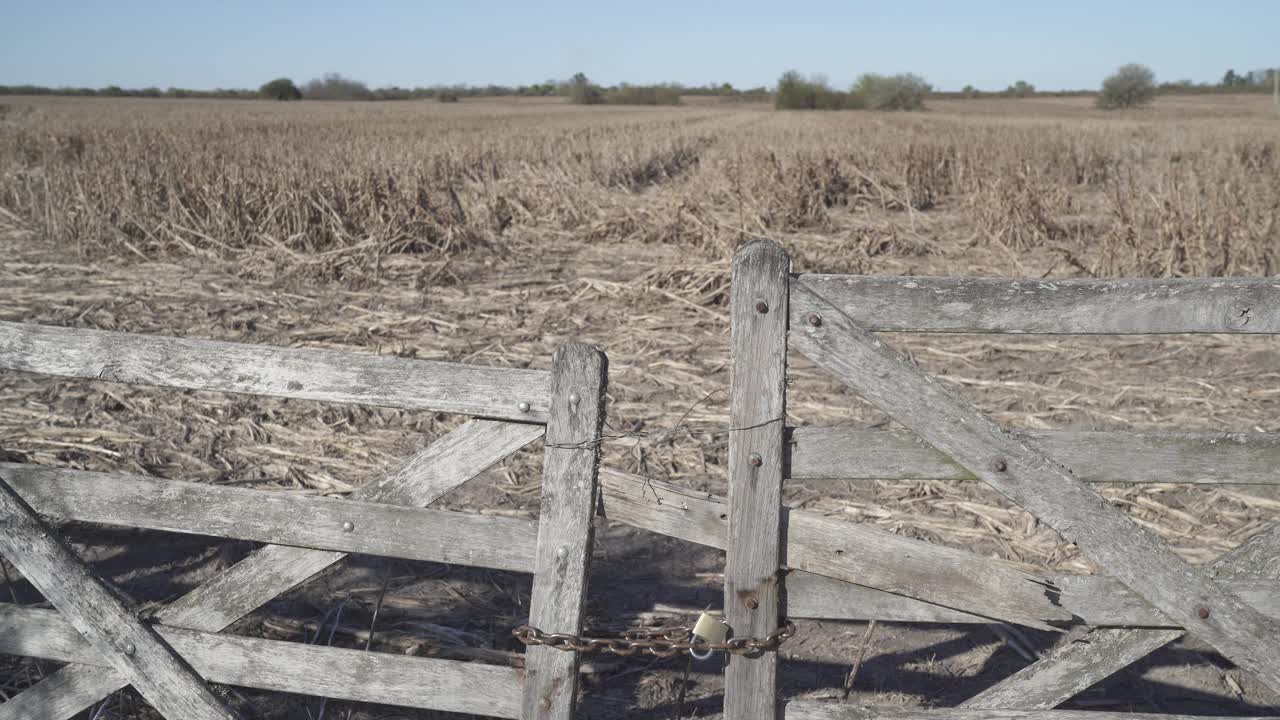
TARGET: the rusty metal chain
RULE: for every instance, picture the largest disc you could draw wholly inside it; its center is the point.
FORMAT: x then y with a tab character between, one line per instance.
660	642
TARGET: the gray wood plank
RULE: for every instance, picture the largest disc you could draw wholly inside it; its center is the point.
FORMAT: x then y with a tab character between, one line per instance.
1072	668
292	667
1034	481
1094	600
444	465
276	518
306	374
1089	307
1103	652
757	412
134	650
828	710
846	551
579	379
841	453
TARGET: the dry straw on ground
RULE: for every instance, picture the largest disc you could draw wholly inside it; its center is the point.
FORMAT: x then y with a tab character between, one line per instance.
490	232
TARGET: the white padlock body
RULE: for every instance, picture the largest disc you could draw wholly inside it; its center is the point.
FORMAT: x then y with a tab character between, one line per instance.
711	628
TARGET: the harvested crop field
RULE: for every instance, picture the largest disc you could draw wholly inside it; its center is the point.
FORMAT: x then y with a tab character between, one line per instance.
491	232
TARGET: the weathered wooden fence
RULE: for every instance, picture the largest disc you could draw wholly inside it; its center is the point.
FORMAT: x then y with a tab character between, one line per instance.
830	568
107	647
1149	597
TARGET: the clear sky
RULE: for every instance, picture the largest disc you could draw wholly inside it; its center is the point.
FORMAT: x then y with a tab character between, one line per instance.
990	44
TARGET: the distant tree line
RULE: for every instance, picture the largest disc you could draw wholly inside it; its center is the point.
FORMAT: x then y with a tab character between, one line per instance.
870	92
334	86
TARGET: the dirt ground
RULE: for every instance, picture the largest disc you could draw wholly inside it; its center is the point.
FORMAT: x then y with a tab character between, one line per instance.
657	309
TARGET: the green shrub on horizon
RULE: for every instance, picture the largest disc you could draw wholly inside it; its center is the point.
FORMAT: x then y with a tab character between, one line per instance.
874	92
905	91
1130	86
280	89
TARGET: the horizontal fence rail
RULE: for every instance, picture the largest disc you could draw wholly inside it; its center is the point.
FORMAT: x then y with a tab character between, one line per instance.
837	453
1053	307
301	373
276	518
828	586
1096	600
293	667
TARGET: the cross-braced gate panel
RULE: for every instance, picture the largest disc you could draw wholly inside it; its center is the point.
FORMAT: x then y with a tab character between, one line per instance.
1149	596
107	647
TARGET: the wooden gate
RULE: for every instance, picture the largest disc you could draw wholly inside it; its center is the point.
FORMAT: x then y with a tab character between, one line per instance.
108	647
1149	597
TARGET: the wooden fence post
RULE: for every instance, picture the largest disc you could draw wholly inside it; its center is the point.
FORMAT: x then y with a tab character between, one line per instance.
570	463
757	414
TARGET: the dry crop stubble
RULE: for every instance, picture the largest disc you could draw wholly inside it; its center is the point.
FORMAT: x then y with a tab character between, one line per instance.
490	232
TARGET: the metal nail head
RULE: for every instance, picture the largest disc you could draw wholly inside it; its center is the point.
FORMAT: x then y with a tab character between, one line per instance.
129	649
1203	613
574	399
562	551
348	526
522	406
755	460
814	319
762	307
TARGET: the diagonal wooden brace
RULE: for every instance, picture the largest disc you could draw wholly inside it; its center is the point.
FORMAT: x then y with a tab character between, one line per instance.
138	653
1102	652
1024	474
275	569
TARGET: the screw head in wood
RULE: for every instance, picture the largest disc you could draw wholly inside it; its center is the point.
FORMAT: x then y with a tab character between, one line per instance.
762	307
562	551
348	526
574	399
522	406
999	465
1203	613
129	649
814	319
755	460
751	603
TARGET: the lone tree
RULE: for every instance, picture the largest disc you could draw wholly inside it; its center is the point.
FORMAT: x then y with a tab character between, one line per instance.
280	89
1132	85
582	91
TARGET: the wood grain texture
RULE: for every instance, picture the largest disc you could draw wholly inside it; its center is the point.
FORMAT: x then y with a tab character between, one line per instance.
845	551
446	464
1031	479
1103	652
1072	668
306	374
292	667
1094	600
1088	599
757	413
816	710
579	379
277	518
1058	307
133	649
839	453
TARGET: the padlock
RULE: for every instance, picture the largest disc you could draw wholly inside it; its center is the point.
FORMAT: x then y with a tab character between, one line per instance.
711	629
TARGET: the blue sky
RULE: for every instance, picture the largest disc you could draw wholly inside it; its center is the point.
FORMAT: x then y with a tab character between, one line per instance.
981	42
